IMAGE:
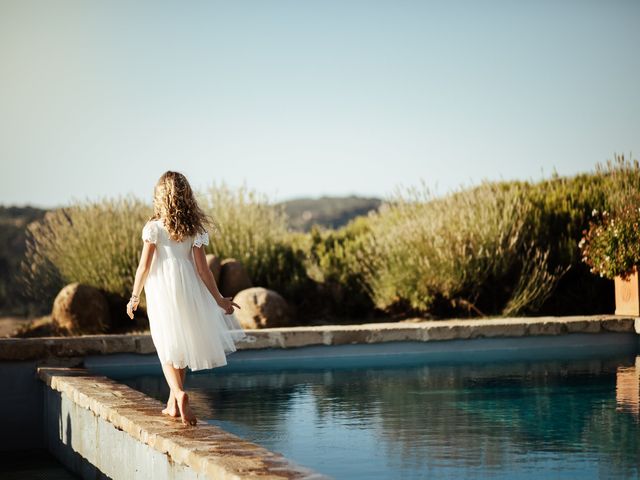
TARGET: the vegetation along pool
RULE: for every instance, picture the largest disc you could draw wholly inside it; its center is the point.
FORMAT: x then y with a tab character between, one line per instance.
543	418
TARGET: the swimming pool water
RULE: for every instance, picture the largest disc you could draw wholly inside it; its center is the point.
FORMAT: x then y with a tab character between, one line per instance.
543	419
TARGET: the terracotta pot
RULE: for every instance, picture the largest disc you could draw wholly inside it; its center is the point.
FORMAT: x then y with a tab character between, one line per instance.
628	295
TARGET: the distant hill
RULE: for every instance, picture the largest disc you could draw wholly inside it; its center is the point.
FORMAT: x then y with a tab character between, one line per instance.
329	212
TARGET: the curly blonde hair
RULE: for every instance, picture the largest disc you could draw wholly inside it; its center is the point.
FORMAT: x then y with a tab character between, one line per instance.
175	204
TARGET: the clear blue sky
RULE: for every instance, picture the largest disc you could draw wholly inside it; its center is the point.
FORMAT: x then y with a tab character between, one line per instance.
304	98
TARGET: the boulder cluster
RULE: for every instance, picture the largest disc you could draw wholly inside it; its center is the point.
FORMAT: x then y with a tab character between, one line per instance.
83	309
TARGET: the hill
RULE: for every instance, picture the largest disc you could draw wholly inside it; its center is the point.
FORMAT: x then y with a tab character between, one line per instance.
328	212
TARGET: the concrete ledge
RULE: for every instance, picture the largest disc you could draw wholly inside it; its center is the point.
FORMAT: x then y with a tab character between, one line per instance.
69	347
410	330
104	429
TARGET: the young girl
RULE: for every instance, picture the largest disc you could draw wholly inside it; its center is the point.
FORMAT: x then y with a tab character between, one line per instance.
192	324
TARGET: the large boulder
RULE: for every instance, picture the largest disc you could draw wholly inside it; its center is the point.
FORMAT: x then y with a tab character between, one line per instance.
80	309
262	308
233	277
213	262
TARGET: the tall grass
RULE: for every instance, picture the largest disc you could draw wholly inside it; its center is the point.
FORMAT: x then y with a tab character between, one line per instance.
99	243
501	248
96	243
431	253
333	262
254	230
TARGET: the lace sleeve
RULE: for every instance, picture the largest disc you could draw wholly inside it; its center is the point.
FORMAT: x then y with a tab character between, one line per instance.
201	239
150	232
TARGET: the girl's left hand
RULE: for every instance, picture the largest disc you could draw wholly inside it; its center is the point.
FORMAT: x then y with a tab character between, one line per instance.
227	305
132	306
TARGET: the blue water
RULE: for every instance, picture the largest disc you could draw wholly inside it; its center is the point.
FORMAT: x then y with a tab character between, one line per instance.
542	419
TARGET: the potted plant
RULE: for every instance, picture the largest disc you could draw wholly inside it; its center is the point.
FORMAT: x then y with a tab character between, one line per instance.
611	248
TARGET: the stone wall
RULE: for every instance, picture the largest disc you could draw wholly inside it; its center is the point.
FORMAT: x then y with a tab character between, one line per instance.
65	349
99	429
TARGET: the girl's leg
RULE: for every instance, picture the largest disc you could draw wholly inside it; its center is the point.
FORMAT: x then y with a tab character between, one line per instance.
175	379
172	404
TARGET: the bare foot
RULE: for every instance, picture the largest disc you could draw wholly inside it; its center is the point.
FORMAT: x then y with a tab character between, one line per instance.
188	418
172	407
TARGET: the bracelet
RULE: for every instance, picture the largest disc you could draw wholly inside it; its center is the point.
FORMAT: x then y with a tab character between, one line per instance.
135	297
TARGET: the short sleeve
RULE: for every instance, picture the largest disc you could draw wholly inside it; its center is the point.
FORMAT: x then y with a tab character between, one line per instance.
201	239
150	232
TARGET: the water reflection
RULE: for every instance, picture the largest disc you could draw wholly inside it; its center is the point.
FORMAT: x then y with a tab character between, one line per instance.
518	420
628	389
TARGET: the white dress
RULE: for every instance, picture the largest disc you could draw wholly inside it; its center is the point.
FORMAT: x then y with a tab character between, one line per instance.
187	325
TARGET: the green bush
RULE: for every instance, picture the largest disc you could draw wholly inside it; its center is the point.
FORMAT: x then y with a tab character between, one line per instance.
254	230
98	243
95	243
470	250
333	262
501	248
561	210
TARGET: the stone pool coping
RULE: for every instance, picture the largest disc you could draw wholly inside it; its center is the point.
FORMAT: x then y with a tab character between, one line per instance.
206	449
14	349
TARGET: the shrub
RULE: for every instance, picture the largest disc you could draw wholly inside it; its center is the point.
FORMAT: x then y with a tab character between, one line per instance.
500	248
561	210
333	262
471	250
94	243
254	230
611	244
98	243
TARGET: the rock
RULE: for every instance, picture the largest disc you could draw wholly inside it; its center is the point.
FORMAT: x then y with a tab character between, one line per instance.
262	308
233	277
80	309
213	262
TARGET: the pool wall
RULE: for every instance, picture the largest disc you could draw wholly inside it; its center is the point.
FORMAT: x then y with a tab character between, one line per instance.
23	412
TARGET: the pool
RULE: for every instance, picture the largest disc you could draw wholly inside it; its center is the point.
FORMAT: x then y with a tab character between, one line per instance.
554	417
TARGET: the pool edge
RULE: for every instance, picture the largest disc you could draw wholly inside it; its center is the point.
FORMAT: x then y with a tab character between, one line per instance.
115	420
20	349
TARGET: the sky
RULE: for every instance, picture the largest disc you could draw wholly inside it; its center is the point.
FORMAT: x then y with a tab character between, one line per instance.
310	98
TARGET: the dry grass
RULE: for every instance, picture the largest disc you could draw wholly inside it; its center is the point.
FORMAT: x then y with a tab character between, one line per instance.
95	243
421	250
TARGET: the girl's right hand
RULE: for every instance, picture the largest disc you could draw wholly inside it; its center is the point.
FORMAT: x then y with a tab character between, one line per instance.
132	306
227	305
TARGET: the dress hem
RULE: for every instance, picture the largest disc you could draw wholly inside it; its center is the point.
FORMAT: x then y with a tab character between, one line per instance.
207	365
195	368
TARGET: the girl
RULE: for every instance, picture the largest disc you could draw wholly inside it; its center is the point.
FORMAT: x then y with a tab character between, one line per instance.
192	324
